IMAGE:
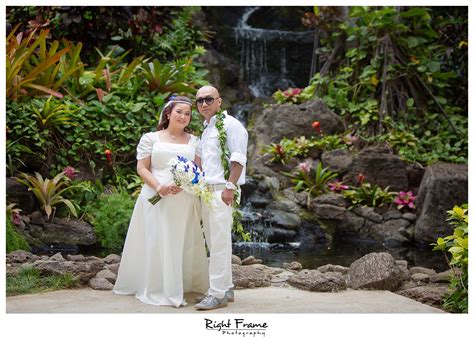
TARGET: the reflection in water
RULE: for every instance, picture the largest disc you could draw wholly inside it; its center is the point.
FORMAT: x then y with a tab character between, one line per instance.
340	253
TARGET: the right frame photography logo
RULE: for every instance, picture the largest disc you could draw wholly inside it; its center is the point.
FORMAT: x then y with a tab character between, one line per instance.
236	327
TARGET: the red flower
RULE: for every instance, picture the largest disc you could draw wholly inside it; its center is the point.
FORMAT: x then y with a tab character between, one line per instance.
317	126
279	149
360	178
108	154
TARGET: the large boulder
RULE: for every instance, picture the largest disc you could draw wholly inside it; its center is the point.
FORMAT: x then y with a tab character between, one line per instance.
339	160
61	231
380	167
314	280
375	271
252	276
18	194
442	187
289	120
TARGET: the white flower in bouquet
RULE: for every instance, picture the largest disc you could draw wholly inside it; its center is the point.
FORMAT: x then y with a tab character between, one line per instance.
188	176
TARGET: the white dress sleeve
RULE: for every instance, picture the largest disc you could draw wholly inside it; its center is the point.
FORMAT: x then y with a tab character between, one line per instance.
145	146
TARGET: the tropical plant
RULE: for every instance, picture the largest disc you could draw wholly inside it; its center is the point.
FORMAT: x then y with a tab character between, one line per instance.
457	247
50	114
314	182
49	192
391	62
110	216
15	151
31	67
368	195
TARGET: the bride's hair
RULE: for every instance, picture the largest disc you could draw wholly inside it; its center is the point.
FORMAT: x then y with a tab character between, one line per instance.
164	118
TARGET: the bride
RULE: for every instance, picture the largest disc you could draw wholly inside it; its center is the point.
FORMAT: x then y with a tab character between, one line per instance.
164	254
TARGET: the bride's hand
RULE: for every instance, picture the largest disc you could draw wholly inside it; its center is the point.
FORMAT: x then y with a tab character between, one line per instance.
174	189
165	190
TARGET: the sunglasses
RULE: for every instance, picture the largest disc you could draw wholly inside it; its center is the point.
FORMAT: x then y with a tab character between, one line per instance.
208	100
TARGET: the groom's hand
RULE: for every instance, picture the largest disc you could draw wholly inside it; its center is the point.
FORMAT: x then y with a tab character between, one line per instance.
227	196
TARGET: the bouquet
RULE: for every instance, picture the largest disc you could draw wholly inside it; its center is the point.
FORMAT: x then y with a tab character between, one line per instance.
188	176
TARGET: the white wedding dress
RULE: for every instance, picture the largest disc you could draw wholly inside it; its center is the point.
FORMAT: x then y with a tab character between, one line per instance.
164	254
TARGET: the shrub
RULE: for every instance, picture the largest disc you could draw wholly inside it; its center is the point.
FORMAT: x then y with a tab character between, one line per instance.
110	215
457	246
14	239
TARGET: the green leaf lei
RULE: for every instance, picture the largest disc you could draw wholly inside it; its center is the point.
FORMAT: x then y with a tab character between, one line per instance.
237	226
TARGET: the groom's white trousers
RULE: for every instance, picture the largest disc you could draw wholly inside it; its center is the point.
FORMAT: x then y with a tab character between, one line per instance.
217	223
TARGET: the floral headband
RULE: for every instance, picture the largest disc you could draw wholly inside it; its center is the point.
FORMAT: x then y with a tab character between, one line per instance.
171	100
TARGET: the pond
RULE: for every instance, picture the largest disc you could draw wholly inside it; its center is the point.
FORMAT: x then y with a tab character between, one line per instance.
342	253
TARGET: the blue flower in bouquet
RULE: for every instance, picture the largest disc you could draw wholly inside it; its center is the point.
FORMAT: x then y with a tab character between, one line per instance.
188	176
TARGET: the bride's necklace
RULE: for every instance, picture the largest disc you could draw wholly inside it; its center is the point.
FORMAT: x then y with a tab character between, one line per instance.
172	137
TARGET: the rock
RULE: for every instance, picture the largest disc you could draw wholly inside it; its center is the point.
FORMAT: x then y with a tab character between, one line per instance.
107	274
392	214
339	160
333	268
252	276
442	187
326	211
114	268
368	213
293	265
443	277
285	220
331	199
281	277
251	260
258	200
83	271
380	168
403	265
100	284
18	194
112	258
422	270
375	271
420	277
409	216
301	198
314	280
62	231
352	224
236	260
429	294
393	232
76	258
57	257
21	256
280	235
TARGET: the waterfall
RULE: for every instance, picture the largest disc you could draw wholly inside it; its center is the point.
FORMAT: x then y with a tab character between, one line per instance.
264	55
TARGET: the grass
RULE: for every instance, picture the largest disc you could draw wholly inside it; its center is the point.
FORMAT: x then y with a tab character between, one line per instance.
28	281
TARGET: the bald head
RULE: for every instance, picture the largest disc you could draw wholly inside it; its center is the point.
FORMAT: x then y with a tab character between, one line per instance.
208	89
208	101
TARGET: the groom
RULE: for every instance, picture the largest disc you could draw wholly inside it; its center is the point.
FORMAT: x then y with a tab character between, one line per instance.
222	134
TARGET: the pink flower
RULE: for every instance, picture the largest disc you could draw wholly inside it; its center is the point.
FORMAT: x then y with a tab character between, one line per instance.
337	186
16	218
70	172
304	167
405	199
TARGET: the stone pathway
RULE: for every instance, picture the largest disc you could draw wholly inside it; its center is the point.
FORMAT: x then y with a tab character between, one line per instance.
257	300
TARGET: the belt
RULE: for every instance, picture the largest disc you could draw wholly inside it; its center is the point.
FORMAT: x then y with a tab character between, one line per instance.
216	187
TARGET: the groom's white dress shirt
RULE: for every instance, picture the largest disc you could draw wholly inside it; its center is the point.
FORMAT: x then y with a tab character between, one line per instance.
210	151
